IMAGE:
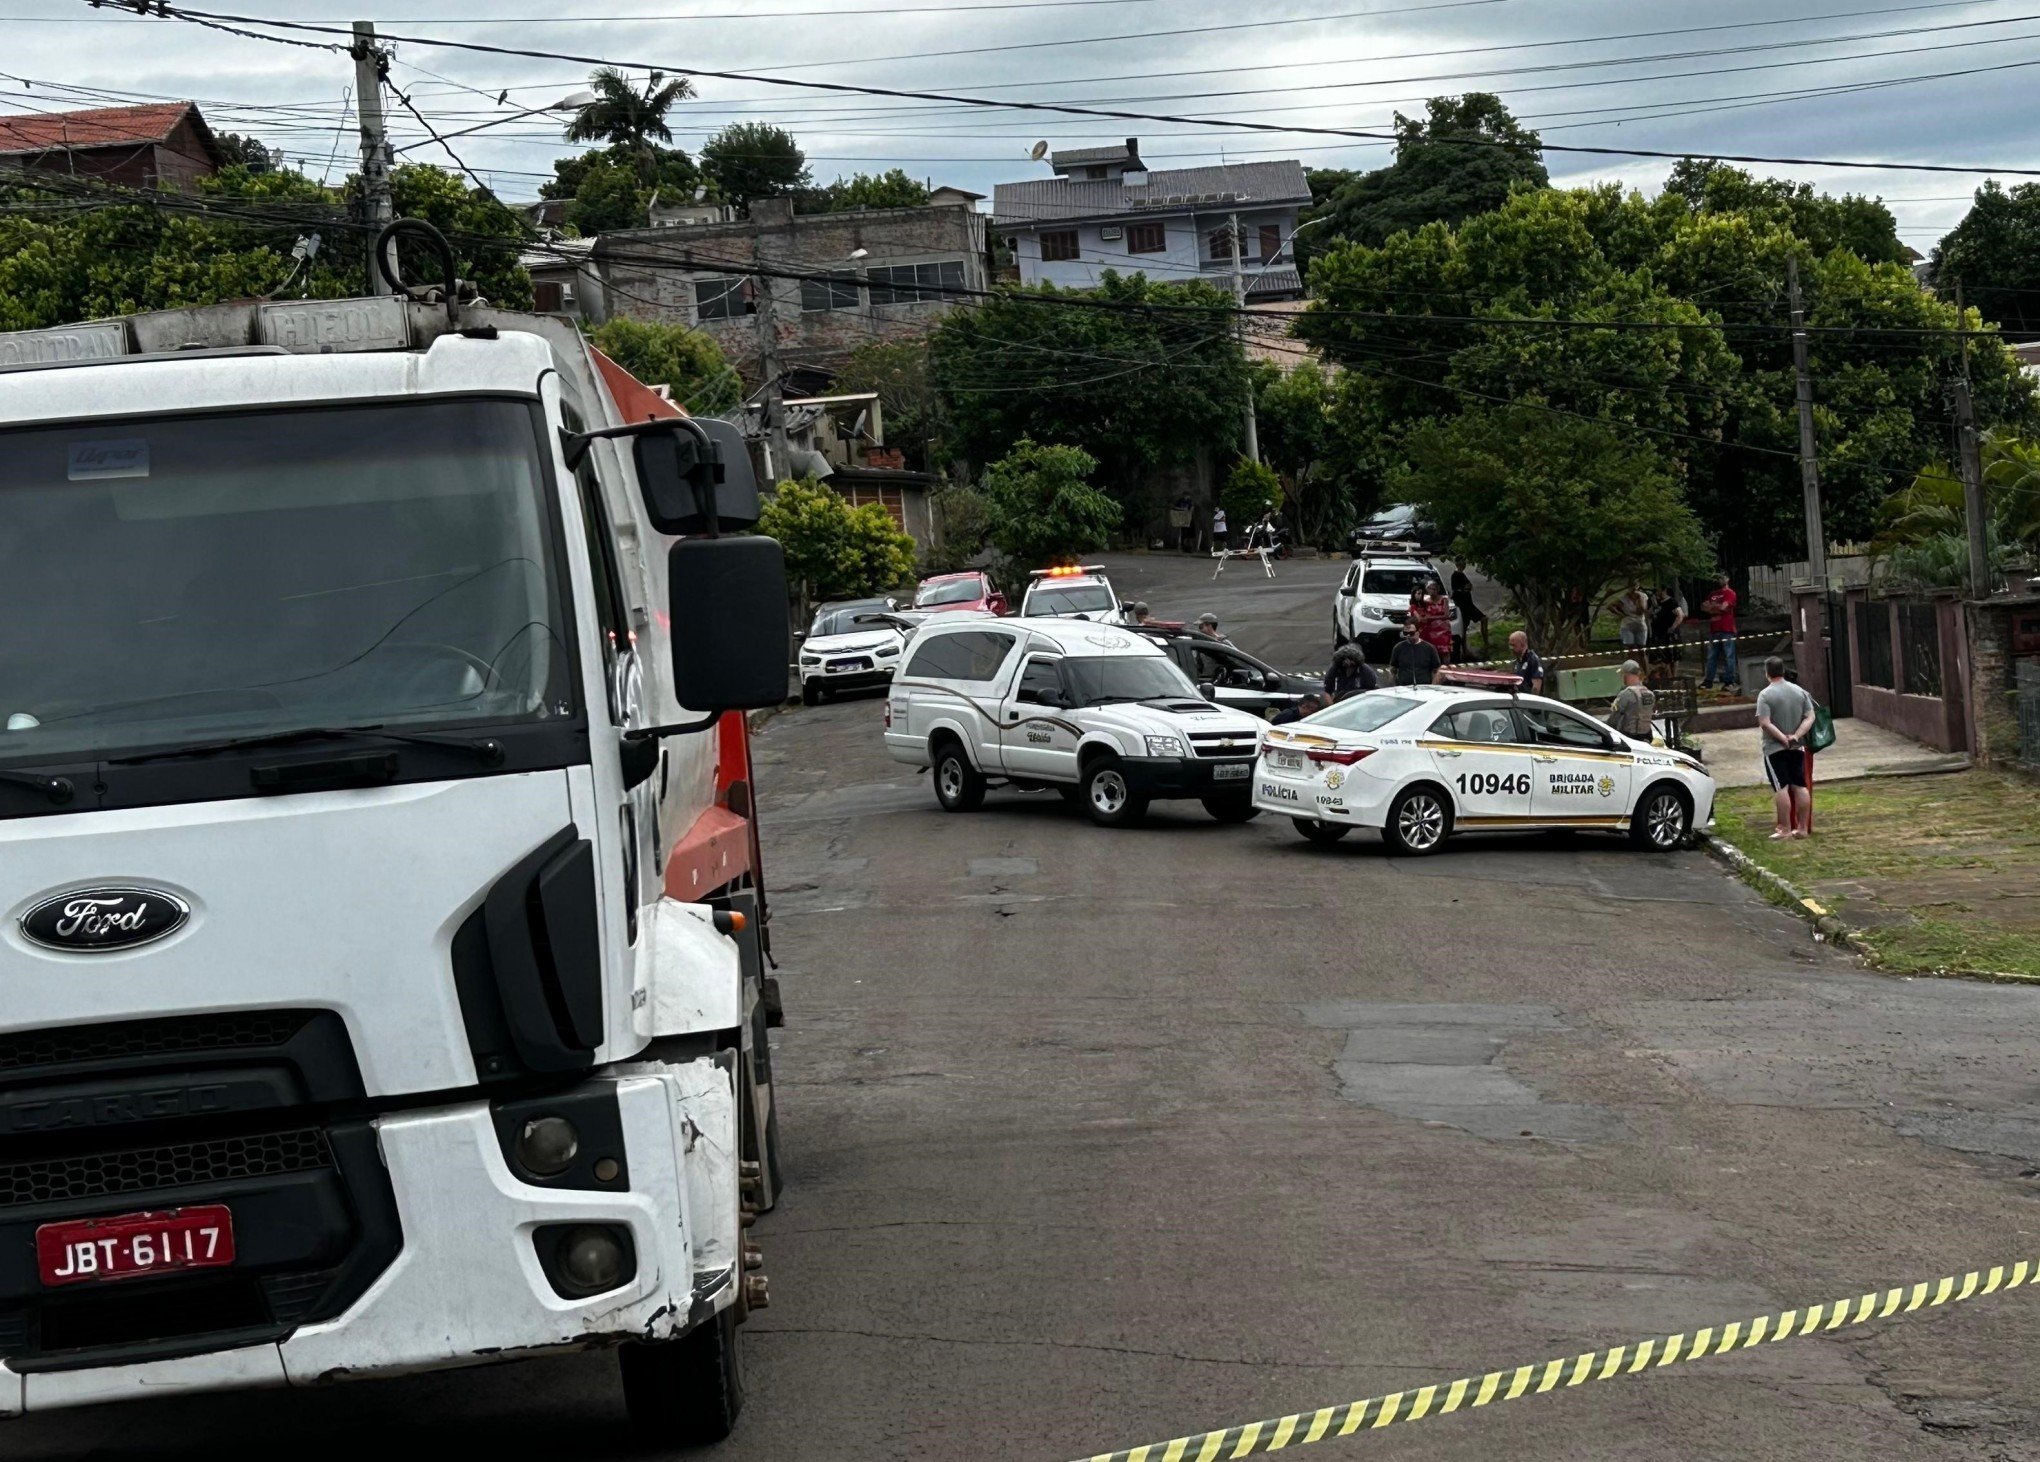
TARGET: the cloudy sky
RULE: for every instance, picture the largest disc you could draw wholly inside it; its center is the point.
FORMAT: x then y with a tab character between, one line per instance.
1847	79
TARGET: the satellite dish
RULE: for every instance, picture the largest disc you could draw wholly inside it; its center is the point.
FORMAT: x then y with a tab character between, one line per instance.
1039	151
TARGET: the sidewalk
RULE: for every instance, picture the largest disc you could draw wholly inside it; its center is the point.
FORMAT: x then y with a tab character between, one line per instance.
1860	750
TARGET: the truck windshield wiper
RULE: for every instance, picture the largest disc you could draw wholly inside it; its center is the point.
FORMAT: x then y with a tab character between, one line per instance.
487	752
58	789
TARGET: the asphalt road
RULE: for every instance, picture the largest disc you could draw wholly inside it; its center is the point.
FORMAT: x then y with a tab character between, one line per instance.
1094	1138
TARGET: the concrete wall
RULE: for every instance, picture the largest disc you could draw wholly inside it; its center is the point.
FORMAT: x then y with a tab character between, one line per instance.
646	275
1186	257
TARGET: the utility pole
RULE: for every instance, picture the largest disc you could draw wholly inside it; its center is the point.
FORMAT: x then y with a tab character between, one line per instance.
1239	294
1809	465
773	404
369	64
1975	509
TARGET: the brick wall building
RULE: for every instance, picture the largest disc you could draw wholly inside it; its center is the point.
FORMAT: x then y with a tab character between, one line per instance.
158	146
891	290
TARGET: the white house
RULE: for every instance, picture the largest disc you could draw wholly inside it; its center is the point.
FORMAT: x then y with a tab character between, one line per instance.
1104	209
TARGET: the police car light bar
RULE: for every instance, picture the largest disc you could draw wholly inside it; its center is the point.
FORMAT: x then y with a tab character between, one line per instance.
1066	571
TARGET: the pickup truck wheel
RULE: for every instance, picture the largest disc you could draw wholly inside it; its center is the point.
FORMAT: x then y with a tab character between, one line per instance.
1321	832
688	1390
1233	807
959	786
1108	797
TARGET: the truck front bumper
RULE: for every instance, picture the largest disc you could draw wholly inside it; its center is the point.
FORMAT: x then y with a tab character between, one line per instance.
1188	776
470	1284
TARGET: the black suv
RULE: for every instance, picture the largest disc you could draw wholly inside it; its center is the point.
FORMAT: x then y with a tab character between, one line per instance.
1237	679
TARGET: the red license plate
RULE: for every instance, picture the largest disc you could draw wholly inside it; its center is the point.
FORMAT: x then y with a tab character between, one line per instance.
130	1245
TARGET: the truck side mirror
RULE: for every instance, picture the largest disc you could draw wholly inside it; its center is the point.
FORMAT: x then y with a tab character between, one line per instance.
695	475
730	642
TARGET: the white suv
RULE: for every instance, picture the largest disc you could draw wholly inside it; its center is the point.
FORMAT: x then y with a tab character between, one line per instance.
1374	600
1098	713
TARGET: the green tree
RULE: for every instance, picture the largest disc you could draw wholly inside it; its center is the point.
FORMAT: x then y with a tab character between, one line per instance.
1040	506
1863	226
910	407
1552	506
835	551
1251	489
962	528
607	188
1993	256
1923	536
1464	157
1299	439
677	356
893	188
749	160
628	117
608	198
115	258
1136	373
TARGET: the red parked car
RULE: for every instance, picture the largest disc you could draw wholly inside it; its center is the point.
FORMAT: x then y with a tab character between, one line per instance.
972	589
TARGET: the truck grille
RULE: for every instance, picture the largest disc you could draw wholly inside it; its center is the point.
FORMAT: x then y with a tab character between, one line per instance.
176	1165
1223	744
78	1044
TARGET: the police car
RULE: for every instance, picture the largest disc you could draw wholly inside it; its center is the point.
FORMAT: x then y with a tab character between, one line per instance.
1096	712
1072	591
1419	763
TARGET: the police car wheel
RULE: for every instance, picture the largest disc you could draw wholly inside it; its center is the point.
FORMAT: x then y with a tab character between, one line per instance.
1661	820
958	785
1232	808
1418	821
1108	797
1321	832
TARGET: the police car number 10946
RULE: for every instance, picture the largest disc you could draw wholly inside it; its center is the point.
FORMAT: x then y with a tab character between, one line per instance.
1490	784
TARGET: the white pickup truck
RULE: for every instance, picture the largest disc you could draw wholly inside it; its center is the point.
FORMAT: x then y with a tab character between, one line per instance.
1099	713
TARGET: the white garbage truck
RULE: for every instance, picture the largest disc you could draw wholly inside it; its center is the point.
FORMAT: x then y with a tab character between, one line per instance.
383	943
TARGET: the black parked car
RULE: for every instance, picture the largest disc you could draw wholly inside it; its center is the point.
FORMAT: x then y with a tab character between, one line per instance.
1401	523
1237	679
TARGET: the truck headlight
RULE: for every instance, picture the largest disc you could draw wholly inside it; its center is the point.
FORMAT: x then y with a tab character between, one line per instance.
547	1146
1164	746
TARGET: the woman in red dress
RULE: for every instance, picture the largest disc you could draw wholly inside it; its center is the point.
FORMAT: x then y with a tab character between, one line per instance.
1432	613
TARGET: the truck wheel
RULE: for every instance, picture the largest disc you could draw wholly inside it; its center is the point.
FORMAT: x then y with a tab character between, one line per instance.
810	695
959	786
1661	820
688	1390
1109	797
1321	832
1419	820
1234	807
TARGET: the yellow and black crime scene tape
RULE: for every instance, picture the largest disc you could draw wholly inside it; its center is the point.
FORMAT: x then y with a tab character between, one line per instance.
1347	1418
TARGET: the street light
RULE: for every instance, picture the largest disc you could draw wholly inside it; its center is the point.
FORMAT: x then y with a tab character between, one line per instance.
571	102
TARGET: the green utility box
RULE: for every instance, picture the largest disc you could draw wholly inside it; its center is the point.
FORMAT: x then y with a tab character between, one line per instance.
1589	683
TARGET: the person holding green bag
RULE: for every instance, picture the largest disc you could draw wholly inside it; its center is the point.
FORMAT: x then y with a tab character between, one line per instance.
1785	717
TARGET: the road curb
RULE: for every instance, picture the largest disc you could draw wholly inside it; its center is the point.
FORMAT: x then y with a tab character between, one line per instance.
1825	924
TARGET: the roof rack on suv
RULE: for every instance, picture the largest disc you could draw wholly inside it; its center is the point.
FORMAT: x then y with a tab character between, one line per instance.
1396	548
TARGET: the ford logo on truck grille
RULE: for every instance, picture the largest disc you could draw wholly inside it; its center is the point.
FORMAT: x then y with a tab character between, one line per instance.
90	920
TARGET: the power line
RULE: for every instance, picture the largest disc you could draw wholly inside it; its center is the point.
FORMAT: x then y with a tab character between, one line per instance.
1113	114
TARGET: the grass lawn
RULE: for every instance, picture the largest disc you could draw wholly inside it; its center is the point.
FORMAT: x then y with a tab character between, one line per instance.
1939	873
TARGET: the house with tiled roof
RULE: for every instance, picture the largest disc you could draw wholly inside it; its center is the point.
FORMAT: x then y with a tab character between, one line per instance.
1105	209
164	145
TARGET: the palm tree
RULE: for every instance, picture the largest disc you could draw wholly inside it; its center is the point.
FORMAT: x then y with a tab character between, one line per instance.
627	118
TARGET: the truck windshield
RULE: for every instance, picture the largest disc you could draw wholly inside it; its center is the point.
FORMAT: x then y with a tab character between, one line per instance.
1069	599
183	579
1125	678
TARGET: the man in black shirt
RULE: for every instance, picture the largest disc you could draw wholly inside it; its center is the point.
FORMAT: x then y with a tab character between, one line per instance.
1413	661
1529	668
